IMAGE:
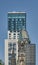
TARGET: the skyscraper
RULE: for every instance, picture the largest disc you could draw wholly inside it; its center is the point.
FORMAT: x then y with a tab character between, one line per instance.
17	33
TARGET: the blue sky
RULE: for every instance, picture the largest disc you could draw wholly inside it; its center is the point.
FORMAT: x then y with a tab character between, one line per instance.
31	8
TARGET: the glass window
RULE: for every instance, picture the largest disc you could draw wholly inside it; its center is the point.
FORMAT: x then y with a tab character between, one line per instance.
10	58
12	19
9	19
14	34
10	44
9	63
20	19
14	46
9	54
9	33
14	55
18	33
16	19
9	49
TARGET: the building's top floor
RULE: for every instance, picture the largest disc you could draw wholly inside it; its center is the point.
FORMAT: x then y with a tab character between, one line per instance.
16	21
16	14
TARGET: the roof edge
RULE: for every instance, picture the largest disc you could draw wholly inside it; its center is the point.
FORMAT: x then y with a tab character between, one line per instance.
16	12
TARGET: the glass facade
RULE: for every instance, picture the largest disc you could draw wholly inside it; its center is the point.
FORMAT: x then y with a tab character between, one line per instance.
11	47
16	21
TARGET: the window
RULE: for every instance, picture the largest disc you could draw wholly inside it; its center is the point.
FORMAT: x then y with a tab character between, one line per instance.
9	49
10	58
18	33
14	46
9	63
12	19
14	34
9	54
10	44
9	19
20	19
16	19
9	33
14	55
